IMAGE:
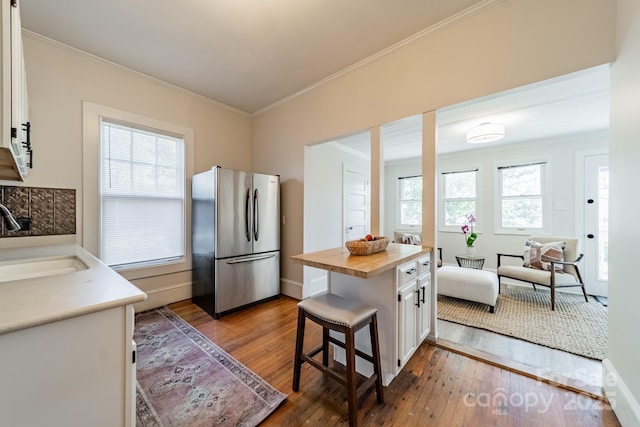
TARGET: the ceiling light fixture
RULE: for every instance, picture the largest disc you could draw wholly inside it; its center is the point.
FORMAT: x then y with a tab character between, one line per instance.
485	132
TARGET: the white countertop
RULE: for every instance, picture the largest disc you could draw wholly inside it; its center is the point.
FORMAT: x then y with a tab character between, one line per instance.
31	302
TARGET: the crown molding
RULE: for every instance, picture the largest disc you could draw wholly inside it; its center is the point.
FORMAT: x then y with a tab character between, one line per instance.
137	73
427	32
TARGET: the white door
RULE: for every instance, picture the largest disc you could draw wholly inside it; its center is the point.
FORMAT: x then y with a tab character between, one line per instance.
355	191
596	223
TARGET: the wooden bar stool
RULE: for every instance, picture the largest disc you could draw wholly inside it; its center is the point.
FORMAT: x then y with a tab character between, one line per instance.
347	316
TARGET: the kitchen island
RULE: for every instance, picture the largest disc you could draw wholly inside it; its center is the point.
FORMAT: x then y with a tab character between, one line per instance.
397	282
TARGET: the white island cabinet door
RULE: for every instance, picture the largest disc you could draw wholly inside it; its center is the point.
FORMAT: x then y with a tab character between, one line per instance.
424	310
407	310
406	323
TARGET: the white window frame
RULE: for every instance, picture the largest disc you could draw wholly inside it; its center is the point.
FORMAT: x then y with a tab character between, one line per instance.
546	196
92	115
399	225
441	199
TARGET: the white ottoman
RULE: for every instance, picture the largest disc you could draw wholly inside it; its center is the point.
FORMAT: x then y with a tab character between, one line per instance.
469	284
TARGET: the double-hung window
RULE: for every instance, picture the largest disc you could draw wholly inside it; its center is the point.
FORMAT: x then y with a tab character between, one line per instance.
459	198
522	198
409	201
142	195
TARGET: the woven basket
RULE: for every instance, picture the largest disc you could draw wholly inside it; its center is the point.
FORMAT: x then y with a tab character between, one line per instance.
367	247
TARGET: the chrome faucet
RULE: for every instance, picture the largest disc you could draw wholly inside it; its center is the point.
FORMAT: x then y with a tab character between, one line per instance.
9	221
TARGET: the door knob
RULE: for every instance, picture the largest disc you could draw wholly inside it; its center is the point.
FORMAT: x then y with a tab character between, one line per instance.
590	236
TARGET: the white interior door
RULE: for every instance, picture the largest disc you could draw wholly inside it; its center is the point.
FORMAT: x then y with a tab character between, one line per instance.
596	223
355	191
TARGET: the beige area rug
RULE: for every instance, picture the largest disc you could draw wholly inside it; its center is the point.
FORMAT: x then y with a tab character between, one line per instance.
575	326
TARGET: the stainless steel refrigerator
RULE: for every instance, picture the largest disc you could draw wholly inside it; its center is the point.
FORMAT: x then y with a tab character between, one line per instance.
236	239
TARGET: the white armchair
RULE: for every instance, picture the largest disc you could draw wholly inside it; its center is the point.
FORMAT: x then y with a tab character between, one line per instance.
567	276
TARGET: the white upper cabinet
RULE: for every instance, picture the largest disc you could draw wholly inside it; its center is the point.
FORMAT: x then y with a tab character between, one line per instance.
15	144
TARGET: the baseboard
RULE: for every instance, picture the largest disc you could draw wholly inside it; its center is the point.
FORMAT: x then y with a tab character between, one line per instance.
624	404
291	288
182	291
163	296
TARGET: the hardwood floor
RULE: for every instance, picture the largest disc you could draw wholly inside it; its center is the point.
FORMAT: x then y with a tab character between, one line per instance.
572	371
575	372
436	387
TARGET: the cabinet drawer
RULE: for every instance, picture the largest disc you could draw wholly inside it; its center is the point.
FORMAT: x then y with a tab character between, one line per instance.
424	280
406	273
424	265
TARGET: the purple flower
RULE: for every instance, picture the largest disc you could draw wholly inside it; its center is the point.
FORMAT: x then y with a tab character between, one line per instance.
468	228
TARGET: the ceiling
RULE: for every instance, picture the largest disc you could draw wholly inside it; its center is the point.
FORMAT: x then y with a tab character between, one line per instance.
250	54
246	54
576	103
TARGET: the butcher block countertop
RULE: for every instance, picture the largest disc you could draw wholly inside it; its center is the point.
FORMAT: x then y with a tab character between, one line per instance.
339	260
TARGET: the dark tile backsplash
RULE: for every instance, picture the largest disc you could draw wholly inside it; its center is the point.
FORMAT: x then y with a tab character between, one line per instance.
52	210
65	211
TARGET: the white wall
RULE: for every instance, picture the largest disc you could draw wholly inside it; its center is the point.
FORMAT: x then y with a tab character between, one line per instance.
622	376
323	204
560	155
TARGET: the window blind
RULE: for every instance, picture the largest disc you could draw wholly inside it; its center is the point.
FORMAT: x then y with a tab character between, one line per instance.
142	193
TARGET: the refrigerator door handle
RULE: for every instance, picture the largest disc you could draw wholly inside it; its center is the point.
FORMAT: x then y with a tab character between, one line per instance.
246	215
256	215
252	258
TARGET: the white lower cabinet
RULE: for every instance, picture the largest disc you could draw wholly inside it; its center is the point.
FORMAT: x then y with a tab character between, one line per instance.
413	280
407	312
423	314
70	373
424	308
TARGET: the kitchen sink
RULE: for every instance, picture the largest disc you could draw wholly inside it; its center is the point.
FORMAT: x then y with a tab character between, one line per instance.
40	267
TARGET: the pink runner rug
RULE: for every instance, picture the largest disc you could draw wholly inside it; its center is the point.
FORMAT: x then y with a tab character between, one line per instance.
184	379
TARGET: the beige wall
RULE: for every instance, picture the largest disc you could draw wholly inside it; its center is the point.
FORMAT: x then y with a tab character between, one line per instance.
508	45
621	367
60	79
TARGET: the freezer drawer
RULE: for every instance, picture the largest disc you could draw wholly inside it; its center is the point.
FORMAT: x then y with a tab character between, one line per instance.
245	280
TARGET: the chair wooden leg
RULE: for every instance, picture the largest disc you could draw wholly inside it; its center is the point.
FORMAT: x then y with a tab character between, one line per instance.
325	346
553	298
584	291
297	362
377	366
351	378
